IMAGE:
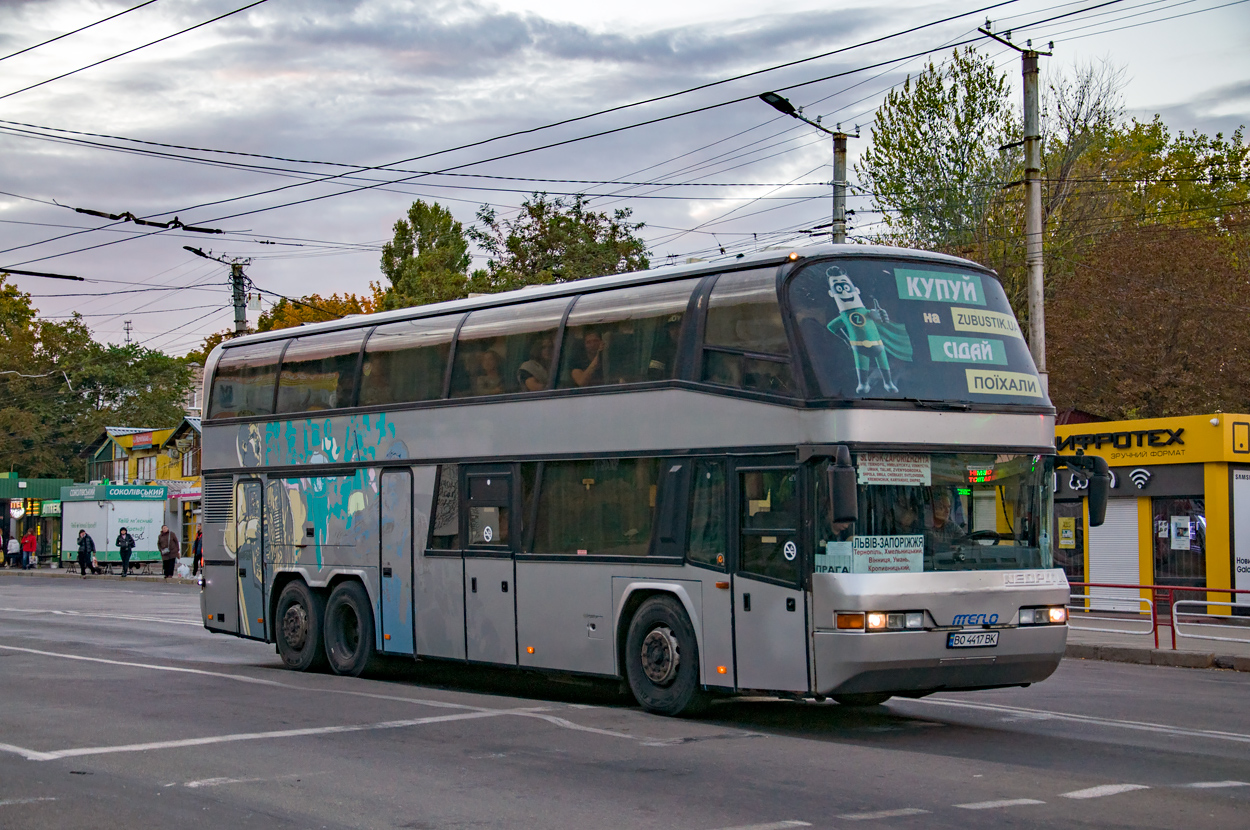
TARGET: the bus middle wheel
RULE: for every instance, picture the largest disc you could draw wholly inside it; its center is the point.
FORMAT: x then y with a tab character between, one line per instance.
349	630
299	615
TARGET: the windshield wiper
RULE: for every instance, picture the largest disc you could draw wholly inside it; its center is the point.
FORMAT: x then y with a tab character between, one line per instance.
943	405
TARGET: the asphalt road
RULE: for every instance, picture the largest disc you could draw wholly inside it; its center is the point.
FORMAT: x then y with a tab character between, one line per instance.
118	710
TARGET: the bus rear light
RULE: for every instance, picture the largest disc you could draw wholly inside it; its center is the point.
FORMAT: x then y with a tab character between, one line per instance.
852	620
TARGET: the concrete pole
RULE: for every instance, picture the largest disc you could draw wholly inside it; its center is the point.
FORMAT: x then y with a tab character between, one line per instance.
240	298
1033	215
838	229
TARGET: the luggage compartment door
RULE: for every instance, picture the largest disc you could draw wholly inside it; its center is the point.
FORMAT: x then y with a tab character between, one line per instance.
395	566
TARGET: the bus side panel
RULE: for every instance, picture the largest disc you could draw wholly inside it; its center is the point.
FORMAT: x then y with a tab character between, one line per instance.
564	613
218	601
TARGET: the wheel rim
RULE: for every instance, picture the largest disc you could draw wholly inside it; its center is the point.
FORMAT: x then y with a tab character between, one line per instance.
295	626
349	629
660	655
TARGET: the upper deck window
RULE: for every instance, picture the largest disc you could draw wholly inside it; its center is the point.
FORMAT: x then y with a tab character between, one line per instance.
900	329
745	341
407	361
624	336
319	372
507	349
243	381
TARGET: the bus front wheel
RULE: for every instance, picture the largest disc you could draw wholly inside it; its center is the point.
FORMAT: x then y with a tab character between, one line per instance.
349	629
863	699
299	616
662	659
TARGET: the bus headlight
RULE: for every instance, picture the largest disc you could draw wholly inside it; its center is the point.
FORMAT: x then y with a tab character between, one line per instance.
1053	615
877	620
1058	615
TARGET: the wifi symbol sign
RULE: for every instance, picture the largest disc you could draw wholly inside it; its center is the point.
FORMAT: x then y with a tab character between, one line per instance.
1140	477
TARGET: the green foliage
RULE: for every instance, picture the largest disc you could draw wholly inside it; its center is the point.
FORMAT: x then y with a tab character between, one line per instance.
553	240
428	260
61	388
934	166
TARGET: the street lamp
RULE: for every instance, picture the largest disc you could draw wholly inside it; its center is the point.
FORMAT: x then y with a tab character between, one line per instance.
783	106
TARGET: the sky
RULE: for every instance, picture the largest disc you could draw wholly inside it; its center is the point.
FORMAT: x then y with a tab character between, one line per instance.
336	89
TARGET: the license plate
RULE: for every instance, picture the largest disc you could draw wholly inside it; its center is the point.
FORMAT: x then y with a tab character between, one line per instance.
972	639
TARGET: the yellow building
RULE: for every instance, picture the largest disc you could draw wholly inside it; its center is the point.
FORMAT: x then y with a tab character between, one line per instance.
1179	507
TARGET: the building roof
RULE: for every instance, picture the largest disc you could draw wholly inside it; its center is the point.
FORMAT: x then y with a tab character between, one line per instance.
191	423
36	488
114	432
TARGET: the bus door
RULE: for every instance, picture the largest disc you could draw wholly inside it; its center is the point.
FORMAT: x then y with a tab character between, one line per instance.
770	611
249	557
489	579
396	561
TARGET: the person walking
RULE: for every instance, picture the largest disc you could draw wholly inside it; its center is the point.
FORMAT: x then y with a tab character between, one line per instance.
86	551
125	546
197	551
14	550
29	542
167	544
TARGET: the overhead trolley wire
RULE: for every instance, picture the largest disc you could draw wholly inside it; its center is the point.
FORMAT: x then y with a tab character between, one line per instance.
76	31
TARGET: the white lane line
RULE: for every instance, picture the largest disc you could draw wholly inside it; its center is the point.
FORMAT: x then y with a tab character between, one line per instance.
34	755
1105	789
8	802
1142	726
994	805
64	613
880	814
776	825
176	669
1215	785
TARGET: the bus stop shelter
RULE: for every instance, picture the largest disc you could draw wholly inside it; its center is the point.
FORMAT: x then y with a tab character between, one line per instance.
104	509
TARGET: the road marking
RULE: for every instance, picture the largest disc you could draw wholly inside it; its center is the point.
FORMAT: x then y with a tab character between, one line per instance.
905	811
8	802
64	613
993	805
1142	726
34	755
217	782
1105	789
177	669
1216	785
776	825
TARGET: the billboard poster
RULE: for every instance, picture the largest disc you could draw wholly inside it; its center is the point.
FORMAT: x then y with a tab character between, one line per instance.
82	515
1241	535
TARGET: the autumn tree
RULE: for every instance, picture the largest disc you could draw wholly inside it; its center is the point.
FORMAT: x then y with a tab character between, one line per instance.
427	261
554	240
313	308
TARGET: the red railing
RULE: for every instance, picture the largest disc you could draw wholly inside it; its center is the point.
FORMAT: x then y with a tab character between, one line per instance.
1159	594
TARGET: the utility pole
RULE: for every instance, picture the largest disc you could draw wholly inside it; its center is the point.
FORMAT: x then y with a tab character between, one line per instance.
238	286
128	326
837	227
1033	225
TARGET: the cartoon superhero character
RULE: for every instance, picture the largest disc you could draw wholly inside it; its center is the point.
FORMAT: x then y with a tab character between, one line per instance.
869	333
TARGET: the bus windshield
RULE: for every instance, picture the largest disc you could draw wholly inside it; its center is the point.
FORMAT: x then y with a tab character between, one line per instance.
957	512
899	329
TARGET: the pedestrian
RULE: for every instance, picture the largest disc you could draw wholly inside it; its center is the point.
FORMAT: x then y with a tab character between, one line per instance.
86	552
197	551
29	543
14	549
125	546
167	544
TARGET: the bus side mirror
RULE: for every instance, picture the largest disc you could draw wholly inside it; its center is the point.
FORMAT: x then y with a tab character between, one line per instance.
1099	490
842	487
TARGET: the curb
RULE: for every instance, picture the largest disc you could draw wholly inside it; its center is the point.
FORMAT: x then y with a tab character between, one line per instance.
62	573
1157	657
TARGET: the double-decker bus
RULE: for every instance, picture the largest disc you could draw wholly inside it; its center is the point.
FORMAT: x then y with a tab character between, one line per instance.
826	472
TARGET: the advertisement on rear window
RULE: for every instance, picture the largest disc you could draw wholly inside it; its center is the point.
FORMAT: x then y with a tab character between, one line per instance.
881	329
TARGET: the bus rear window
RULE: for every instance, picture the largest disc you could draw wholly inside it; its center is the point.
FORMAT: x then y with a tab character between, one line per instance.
911	330
243	381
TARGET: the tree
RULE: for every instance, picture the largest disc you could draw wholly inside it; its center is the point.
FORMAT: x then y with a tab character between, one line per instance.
428	260
59	388
552	241
934	167
314	308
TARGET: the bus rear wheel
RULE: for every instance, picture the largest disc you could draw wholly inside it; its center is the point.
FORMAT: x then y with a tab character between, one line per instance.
349	630
299	616
863	699
662	659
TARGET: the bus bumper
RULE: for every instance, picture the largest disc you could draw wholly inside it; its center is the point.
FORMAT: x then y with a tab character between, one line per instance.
915	661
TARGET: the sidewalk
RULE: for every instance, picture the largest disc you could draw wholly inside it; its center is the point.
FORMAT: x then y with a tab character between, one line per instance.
63	573
1190	652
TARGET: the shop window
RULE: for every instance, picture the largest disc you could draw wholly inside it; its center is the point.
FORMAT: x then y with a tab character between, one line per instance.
745	343
601	507
507	349
1180	542
1069	539
707	540
319	372
243	381
407	361
624	336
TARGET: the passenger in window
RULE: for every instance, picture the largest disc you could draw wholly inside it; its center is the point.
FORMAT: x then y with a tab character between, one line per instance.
535	373
943	530
905	514
664	353
588	366
488	379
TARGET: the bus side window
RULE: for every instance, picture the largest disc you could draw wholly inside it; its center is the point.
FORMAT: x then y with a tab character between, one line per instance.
707	541
407	361
445	529
319	372
603	507
744	342
243	380
507	349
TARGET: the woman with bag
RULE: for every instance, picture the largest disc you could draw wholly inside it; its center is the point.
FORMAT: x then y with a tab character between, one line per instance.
167	544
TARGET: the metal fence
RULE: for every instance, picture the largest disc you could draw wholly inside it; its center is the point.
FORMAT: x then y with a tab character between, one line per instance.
1187	612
